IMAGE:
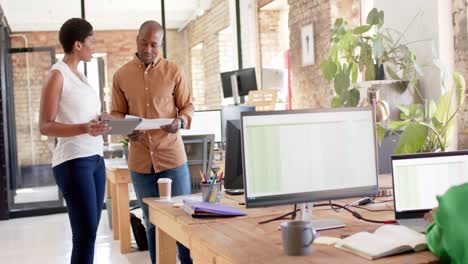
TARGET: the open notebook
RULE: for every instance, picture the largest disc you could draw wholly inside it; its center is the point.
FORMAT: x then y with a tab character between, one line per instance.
385	241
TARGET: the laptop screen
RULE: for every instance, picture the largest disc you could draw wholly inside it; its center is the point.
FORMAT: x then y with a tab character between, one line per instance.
419	178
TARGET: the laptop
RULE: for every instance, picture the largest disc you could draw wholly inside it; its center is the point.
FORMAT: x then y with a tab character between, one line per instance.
419	178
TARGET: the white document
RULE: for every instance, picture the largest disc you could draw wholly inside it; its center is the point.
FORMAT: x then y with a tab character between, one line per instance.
148	124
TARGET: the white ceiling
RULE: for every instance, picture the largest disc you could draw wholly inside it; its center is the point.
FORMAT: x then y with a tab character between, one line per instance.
49	15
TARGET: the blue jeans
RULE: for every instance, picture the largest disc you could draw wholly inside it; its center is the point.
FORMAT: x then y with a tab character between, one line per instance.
82	182
146	185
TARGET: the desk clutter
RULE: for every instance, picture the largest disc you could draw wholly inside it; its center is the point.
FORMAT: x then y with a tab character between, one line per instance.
205	209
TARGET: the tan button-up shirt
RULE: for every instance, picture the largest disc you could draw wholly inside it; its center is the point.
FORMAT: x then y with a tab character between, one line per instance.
156	91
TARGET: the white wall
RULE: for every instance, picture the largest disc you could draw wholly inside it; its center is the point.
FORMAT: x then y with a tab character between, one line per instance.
434	23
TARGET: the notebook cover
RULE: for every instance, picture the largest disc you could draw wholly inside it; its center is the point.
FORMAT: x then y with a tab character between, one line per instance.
213	208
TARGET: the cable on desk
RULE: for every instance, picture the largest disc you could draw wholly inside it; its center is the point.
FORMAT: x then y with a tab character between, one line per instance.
281	217
373	210
359	216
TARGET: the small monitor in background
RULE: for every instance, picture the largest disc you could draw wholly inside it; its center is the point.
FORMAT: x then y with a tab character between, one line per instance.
247	81
205	122
226	83
233	179
233	112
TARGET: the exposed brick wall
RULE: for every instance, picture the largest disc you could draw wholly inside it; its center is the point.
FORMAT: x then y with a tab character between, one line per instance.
268	25
205	30
309	87
460	30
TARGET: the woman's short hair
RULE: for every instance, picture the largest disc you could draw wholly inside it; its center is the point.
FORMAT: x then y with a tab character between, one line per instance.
74	29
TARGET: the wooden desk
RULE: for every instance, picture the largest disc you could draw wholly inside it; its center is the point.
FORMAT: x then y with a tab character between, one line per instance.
118	178
243	240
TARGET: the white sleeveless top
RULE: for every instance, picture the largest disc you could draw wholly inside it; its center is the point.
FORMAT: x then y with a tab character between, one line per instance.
78	104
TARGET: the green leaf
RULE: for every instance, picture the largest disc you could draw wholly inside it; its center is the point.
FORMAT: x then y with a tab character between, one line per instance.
375	17
392	73
370	70
432	108
336	102
444	107
412	139
353	98
416	111
338	22
460	87
328	69
404	111
362	29
354	73
380	133
341	83
436	123
398	125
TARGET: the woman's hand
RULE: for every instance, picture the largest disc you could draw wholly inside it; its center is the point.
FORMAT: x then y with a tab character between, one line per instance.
105	116
430	216
96	128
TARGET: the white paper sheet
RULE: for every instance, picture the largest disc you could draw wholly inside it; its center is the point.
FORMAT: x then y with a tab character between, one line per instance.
148	124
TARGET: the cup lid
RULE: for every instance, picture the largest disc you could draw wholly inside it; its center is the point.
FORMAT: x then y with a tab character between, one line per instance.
164	180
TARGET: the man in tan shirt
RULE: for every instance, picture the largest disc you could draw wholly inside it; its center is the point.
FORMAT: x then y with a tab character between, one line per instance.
149	86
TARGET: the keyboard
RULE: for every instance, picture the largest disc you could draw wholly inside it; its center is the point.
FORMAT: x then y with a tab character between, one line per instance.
417	224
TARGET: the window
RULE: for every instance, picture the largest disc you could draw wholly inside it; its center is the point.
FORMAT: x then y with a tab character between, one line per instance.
198	76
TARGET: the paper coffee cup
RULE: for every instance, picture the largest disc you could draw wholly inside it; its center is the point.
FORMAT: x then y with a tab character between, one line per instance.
164	185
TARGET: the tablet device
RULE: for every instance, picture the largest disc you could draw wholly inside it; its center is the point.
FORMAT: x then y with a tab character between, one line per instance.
122	126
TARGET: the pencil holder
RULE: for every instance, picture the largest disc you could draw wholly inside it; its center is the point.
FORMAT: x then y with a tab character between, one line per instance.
211	192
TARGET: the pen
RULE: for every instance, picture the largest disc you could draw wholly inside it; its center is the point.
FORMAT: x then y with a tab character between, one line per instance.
202	176
220	176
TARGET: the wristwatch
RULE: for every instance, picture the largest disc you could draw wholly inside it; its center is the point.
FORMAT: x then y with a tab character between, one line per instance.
182	123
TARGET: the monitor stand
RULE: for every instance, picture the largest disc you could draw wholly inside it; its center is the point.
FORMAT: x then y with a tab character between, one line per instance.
305	211
234	191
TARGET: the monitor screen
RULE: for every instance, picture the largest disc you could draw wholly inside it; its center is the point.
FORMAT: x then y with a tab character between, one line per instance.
233	163
246	81
205	122
419	178
233	112
308	155
226	83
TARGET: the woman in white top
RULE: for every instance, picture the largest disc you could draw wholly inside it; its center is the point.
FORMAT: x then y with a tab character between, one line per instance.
70	111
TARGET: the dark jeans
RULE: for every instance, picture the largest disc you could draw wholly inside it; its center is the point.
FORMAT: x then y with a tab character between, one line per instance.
146	185
82	182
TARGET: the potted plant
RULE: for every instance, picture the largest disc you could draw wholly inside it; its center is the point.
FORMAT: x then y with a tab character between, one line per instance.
124	142
366	49
427	127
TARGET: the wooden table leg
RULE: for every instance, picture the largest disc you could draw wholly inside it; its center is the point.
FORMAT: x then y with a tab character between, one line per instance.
124	217
115	210
165	248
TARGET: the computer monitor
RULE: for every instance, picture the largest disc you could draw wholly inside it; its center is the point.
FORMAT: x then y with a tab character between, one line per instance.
305	156
233	178
419	178
246	81
205	122
233	112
